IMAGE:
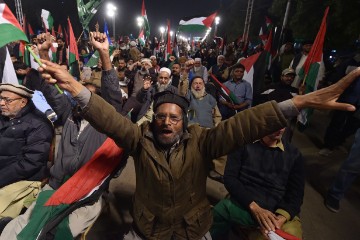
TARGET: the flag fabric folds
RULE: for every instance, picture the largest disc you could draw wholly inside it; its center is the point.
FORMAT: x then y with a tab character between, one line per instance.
255	68
87	11
10	29
168	42
146	25
310	70
47	19
80	186
224	91
197	24
73	49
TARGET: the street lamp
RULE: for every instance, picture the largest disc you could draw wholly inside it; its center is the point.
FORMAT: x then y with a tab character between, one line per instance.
111	10
162	30
140	21
217	21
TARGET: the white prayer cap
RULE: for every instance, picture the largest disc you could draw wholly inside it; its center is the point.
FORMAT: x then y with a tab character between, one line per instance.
197	59
164	69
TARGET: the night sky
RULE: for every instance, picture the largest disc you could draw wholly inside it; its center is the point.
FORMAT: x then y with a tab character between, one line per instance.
158	12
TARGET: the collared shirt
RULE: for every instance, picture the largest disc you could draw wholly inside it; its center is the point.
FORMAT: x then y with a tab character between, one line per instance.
242	90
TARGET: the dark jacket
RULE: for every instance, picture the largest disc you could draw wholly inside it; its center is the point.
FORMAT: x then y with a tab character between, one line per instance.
278	92
272	178
170	199
74	151
24	146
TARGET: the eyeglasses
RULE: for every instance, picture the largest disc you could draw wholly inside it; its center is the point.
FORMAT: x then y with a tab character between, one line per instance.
9	100
162	117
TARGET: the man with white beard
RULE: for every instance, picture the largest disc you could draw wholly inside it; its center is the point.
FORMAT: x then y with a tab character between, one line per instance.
146	94
203	109
199	70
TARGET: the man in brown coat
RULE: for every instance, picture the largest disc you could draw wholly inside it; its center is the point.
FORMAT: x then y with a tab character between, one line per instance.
172	160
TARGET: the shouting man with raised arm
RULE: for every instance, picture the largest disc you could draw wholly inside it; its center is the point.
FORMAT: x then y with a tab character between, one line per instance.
172	160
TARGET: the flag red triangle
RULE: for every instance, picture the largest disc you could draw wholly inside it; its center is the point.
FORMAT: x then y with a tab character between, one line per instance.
209	20
31	31
59	30
101	164
7	14
72	43
249	62
143	11
315	54
168	46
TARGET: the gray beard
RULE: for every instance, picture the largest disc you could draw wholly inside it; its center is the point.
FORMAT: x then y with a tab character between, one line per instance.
198	94
167	144
197	69
162	87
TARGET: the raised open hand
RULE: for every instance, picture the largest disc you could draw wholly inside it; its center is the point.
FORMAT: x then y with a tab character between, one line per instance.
326	98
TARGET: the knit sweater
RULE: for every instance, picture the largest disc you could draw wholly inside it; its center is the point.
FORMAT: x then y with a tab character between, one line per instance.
272	177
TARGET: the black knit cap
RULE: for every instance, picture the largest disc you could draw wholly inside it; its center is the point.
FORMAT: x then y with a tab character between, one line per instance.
170	97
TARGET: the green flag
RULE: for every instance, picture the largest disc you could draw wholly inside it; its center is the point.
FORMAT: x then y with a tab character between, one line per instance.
87	11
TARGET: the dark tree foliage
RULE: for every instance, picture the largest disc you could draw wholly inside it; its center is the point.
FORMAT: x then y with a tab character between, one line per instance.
304	19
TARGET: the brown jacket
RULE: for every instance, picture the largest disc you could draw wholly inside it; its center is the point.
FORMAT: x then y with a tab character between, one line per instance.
170	197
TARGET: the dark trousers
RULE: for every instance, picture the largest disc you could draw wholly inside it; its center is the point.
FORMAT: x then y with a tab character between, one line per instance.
342	125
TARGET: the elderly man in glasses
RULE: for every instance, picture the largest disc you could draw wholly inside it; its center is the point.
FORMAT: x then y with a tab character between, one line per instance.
25	139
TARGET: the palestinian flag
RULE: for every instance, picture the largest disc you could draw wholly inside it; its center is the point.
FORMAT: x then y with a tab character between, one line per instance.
141	37
263	36
310	70
31	31
47	19
7	71
59	31
73	49
168	42
198	24
269	23
146	25
224	91
51	204
255	68
10	29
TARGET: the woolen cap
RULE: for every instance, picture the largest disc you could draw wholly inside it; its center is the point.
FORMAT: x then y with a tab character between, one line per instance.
170	97
18	89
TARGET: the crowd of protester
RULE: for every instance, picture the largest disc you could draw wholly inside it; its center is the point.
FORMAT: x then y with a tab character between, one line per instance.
265	177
